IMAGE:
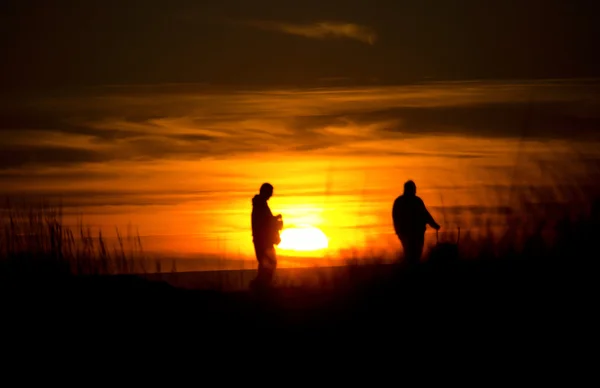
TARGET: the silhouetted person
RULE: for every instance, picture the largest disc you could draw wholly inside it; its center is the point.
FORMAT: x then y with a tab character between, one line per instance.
265	234
411	218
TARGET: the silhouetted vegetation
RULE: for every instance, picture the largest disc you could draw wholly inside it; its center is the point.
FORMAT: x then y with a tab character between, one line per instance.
539	262
35	241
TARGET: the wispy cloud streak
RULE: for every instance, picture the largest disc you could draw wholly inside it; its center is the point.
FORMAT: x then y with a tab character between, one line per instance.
320	30
177	125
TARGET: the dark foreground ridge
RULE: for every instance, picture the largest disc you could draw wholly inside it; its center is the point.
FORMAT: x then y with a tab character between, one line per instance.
378	300
540	295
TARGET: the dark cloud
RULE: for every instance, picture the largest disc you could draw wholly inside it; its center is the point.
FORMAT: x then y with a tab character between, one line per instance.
19	176
192	138
320	30
134	124
472	210
14	156
148	42
155	41
541	120
435	155
75	198
39	120
309	147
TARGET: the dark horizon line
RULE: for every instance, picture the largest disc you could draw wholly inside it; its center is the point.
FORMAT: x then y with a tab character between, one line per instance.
273	85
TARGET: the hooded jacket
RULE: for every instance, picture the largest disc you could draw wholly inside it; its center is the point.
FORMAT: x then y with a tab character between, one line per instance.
263	222
410	216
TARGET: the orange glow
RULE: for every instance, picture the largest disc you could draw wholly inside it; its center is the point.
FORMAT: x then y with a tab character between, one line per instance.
185	181
348	198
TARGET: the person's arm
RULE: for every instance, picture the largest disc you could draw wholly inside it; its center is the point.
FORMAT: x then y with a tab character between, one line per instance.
273	220
272	225
268	213
429	219
396	216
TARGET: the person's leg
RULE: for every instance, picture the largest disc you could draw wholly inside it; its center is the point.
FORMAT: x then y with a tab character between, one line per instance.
260	258
257	252
405	249
419	243
413	250
403	243
413	259
270	264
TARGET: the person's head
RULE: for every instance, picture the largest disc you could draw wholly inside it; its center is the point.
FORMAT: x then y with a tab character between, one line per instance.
410	188
266	190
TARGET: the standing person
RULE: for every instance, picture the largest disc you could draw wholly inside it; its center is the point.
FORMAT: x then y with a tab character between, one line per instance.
265	234
411	218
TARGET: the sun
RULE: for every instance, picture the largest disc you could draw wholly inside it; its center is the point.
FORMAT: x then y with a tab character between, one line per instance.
304	239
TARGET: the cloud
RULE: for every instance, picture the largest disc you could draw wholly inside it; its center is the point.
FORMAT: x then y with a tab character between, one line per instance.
167	124
113	197
548	120
320	30
20	156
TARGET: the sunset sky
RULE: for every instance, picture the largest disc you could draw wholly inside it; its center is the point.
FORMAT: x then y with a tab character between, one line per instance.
169	115
238	42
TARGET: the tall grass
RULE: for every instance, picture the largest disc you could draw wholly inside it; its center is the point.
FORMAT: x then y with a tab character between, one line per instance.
35	240
556	226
